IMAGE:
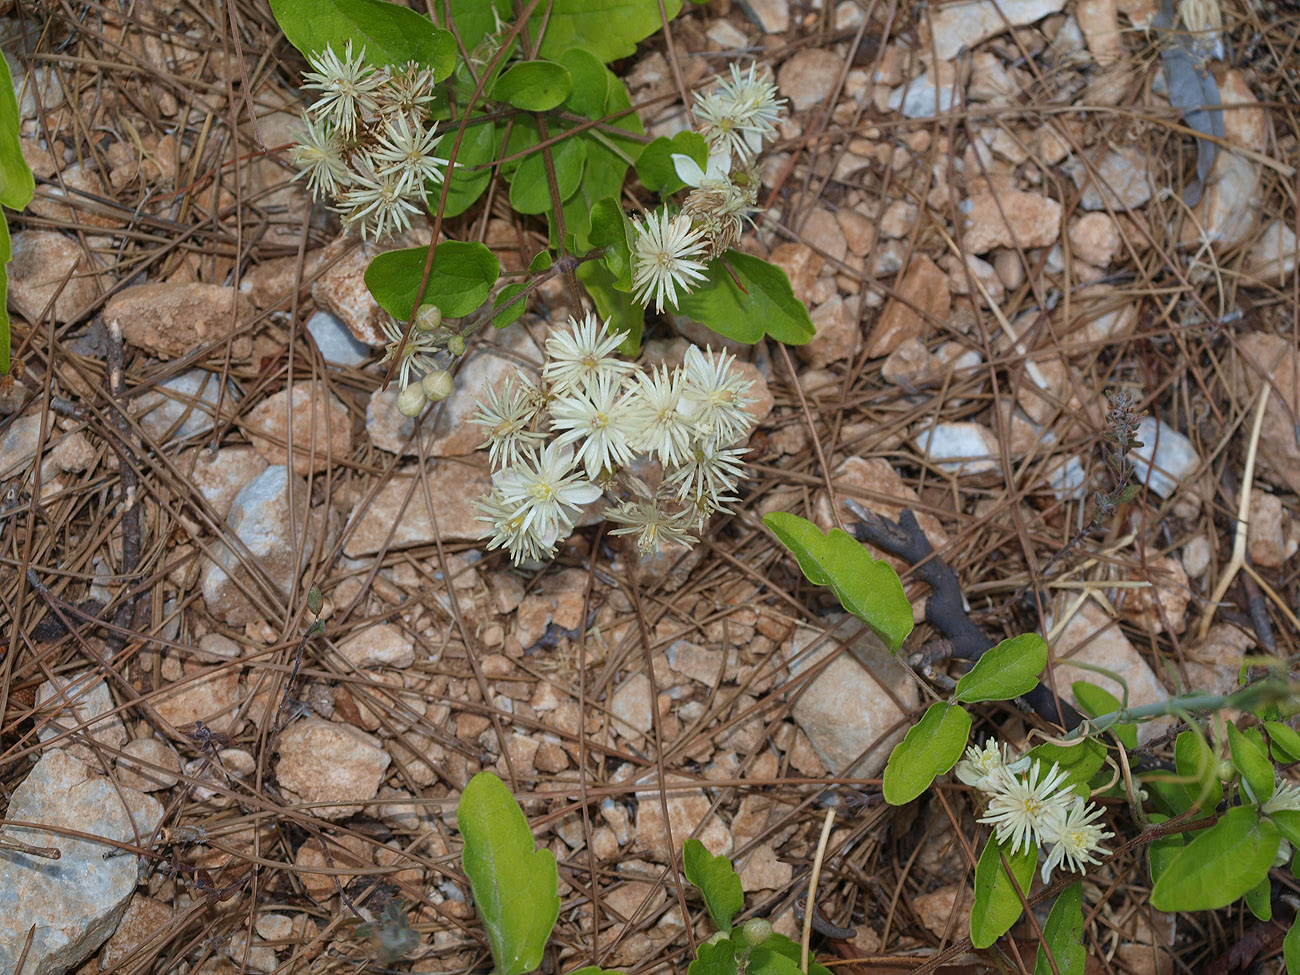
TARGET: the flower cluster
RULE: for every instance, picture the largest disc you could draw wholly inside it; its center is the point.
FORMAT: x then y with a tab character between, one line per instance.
1028	806
735	118
560	444
367	141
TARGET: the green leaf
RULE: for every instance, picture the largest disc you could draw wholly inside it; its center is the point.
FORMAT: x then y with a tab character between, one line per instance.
1288	823
390	33
591	81
717	881
1063	935
1221	864
16	181
466	183
515	885
868	589
511	311
765	961
461	278
793	950
1081	760
474	19
1284	743
4	292
1198	768
997	905
1260	900
1250	758
609	29
766	305
931	747
655	167
529	190
612	230
714	958
541	261
534	86
1291	948
1094	701
1163	851
1006	671
624	313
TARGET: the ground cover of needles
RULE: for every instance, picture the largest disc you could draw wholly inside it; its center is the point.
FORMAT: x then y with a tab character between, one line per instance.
995	219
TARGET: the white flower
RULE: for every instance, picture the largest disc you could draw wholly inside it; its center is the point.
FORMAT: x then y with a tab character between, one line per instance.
378	203
1073	836
508	527
739	114
1024	805
598	422
509	415
715	173
582	354
707	477
663	259
408	91
1285	797
650	524
547	490
662	429
984	767
416	353
713	396
406	150
347	88
319	155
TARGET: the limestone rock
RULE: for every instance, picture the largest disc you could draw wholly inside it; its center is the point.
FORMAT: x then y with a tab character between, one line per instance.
171	320
1008	217
74	902
772	16
874	484
148	764
383	645
1228	211
924	289
686	811
1119	179
1272	356
928	95
82	700
337	764
965	24
1099	21
1092	637
341	289
1166	455
631	707
837	336
809	77
1094	238
1163	601
312	416
208	696
401	508
1272	258
911	365
182	406
336	342
262	520
220	475
962	448
143	919
1270	539
46	263
851	710
18	445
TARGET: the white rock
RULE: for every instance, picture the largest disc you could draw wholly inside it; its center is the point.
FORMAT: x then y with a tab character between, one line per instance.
851	710
1272	258
222	474
927	96
335	341
631	706
82	700
74	903
183	406
336	764
965	24
18	445
962	448
1122	180
808	78
383	645
46	264
1166	455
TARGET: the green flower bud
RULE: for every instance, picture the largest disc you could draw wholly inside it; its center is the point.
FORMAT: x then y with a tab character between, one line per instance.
756	931
1226	771
437	385
410	401
428	318
456	345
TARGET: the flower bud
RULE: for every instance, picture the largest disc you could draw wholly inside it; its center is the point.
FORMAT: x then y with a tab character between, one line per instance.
756	931
437	385
410	401
1225	771
456	345
428	318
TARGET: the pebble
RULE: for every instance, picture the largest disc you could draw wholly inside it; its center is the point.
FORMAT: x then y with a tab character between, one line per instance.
1275	357
946	910
1272	258
1092	637
210	697
309	414
875	484
261	518
46	263
771	16
445	427
1009	217
928	95
1099	21
631	707
382	645
1122	181
18	445
764	870
911	365
960	448
923	287
837	336
182	406
341	290
172	320
400	508
83	700
990	81
977	272
822	231
1166	458
1163	601
686	811
270	283
1094	238
76	902
220	475
859	703
49	201
330	763
165	770
857	230
73	453
144	918
335	341
965	24
898	219
1270	536
1196	556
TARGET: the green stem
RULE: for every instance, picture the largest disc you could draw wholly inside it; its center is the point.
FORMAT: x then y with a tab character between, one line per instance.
1243	699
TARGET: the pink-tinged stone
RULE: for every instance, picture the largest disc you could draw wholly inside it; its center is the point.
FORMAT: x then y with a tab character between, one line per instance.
312	416
172	320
